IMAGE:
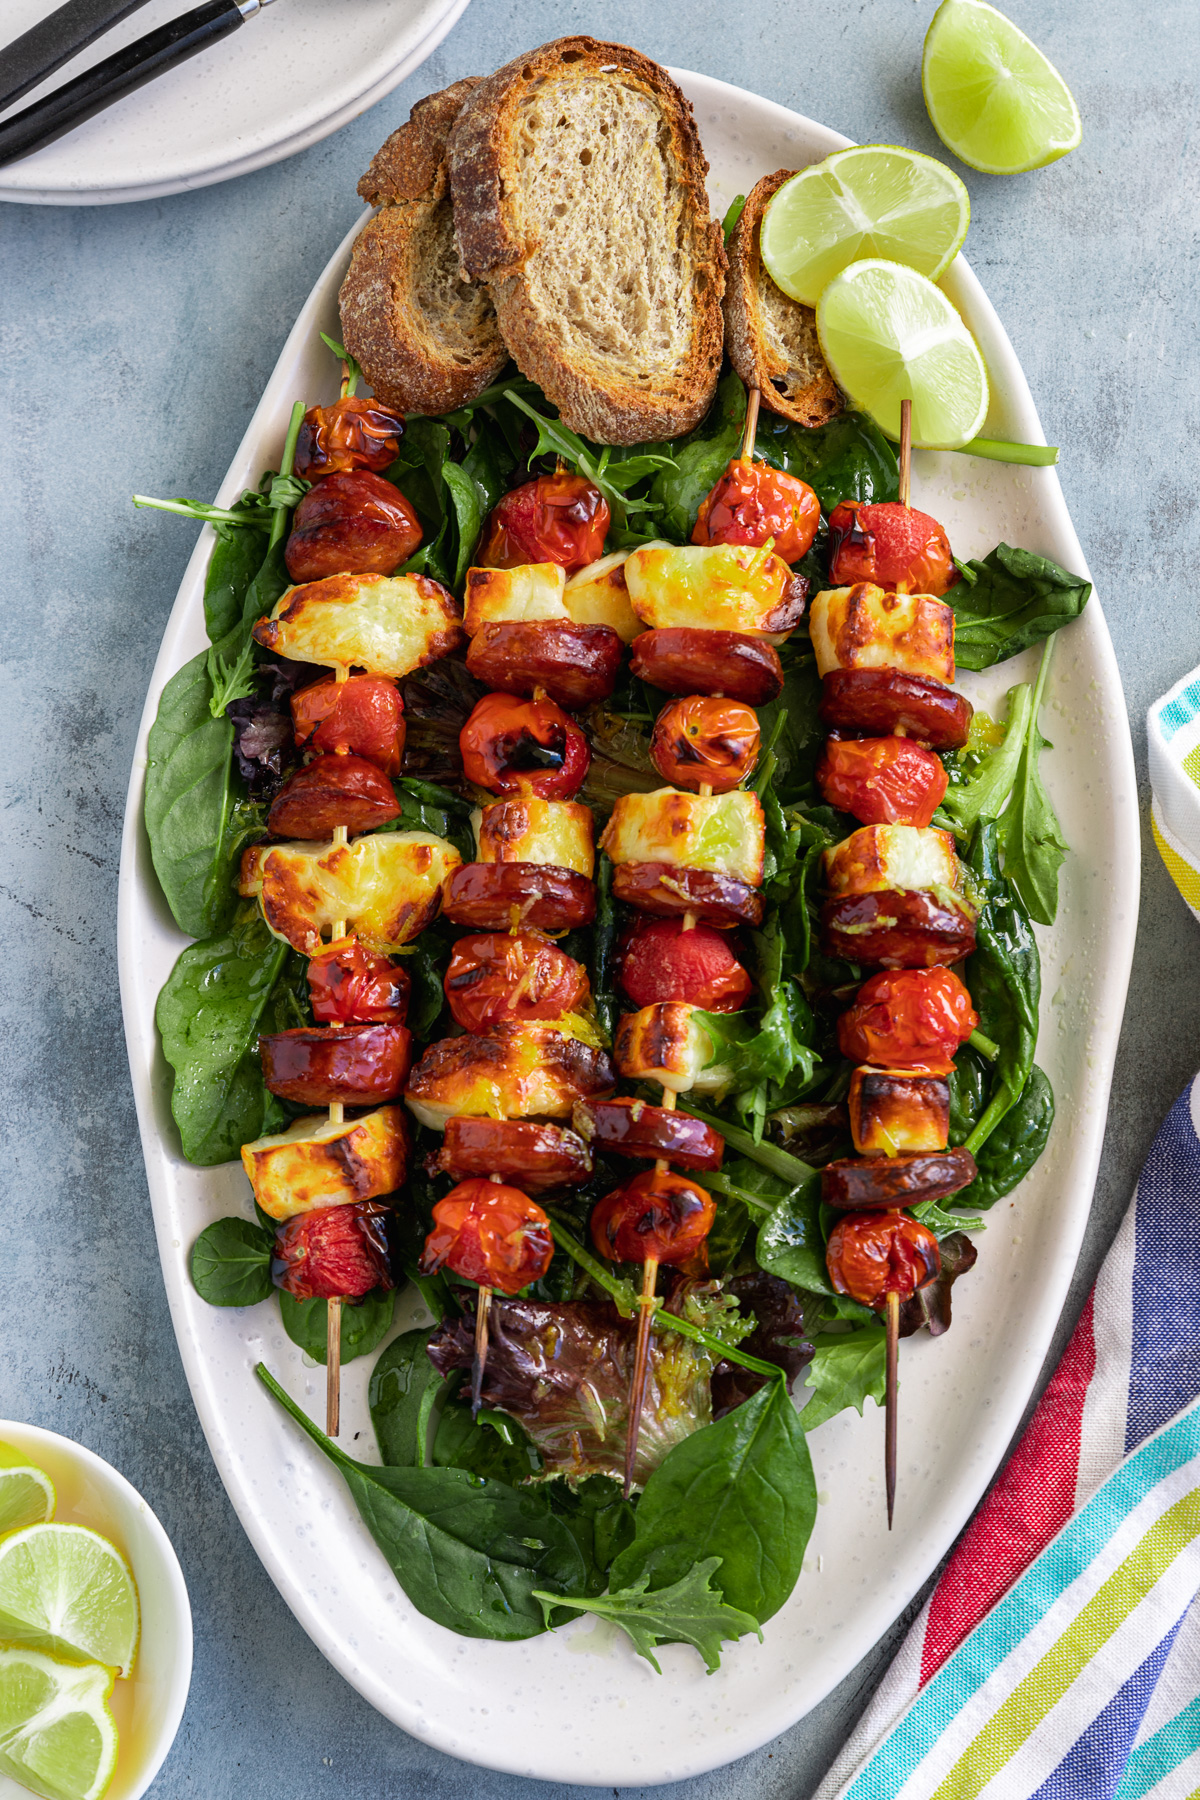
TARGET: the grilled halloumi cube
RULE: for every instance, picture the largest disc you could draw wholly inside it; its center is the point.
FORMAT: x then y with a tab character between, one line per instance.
318	1163
722	832
499	596
863	627
386	887
894	1110
668	1043
714	587
554	832
385	624
880	857
598	595
511	1072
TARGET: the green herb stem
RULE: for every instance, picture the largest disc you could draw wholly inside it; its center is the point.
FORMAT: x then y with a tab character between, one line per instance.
1033	456
196	509
770	1156
279	523
984	1045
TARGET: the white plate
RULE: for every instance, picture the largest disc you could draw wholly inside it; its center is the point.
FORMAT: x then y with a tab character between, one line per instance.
579	1706
284	80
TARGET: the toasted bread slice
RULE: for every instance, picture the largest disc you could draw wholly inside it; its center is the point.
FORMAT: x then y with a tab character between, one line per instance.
772	339
578	183
427	340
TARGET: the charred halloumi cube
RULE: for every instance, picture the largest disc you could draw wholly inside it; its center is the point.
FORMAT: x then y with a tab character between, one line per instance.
318	1163
554	832
598	595
386	887
385	624
894	1110
715	587
505	596
864	627
668	1043
511	1072
722	832
880	857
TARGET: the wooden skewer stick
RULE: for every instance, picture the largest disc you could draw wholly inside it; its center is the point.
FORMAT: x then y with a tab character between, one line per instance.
753	399
889	1440
689	918
483	1307
641	1357
337	1113
905	451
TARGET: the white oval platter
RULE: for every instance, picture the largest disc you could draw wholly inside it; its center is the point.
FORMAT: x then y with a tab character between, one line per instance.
579	1706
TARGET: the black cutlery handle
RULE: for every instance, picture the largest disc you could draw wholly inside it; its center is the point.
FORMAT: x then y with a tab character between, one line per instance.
115	77
54	40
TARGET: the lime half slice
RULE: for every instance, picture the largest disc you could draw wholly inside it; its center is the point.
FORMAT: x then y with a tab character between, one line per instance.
871	200
992	97
27	1494
67	1590
889	335
57	1735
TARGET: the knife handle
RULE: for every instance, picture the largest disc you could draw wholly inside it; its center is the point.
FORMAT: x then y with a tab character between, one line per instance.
54	40
117	76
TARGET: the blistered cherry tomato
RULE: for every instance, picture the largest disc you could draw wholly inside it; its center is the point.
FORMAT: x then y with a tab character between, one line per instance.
856	1183
332	791
877	702
668	890
705	740
358	1065
355	433
363	714
882	781
347	984
502	896
558	518
351	524
542	1157
753	502
908	1019
895	546
911	928
497	976
662	961
575	664
514	746
336	1252
635	1128
489	1233
687	660
657	1214
872	1255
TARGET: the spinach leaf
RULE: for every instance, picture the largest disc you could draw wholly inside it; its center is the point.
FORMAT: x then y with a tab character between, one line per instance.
469	1554
1010	600
188	756
741	1490
1013	1146
847	1370
780	1162
1005	980
236	559
404	1387
599	1518
468	501
1030	836
364	1324
791	1243
492	1445
231	1263
690	1611
268	586
984	794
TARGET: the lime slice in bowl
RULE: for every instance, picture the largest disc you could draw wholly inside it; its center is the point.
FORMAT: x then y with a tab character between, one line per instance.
889	335
27	1495
57	1735
870	200
991	95
67	1590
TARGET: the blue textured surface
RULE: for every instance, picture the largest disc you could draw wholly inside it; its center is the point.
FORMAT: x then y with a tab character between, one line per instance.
136	340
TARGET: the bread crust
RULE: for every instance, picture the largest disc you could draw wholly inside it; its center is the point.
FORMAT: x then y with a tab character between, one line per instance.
499	245
760	363
406	166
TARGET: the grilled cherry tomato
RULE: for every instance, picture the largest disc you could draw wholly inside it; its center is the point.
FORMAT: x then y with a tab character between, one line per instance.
575	664
662	961
501	896
657	1214
882	781
489	1233
541	1157
351	434
908	1019
880	1183
497	976
360	1065
363	714
685	660
336	1252
753	503
872	1255
558	518
331	791
895	546
354	523
635	1128
668	890
898	929
347	984
704	739
523	747
878	702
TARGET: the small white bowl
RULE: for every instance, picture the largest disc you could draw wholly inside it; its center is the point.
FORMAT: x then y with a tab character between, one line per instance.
149	1706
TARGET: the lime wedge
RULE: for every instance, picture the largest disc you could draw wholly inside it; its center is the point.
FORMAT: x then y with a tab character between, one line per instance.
57	1736
27	1494
992	96
67	1590
871	200
889	335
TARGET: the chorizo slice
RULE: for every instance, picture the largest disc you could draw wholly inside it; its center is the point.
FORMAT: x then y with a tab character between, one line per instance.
496	896
882	702
667	889
635	1128
686	660
575	664
868	1183
358	1065
897	929
333	791
537	1157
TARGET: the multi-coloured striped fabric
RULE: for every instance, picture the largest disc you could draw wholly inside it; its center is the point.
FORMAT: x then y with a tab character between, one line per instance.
1173	732
1059	1656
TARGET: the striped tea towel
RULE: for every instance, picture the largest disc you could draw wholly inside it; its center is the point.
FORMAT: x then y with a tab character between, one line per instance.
1059	1655
1173	730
